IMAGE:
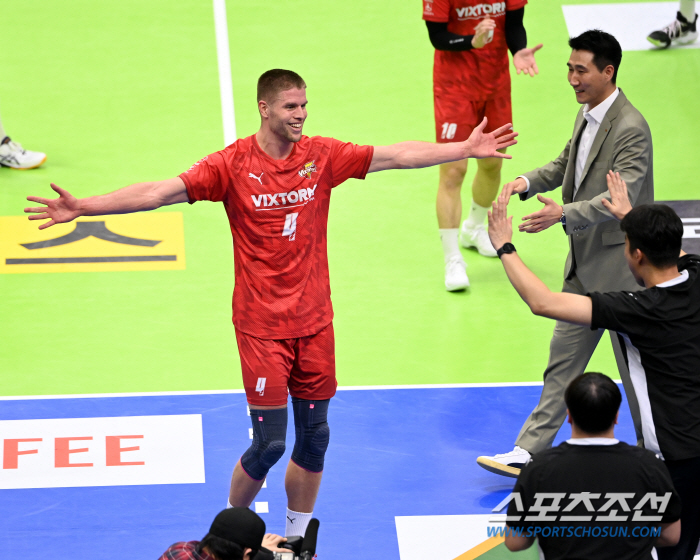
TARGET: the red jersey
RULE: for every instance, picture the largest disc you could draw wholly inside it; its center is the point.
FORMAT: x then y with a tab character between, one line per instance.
477	74
278	212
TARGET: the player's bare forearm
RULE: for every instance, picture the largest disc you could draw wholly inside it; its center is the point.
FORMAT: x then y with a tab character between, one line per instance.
571	308
139	197
413	155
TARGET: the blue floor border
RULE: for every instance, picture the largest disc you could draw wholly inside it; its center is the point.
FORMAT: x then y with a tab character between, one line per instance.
393	452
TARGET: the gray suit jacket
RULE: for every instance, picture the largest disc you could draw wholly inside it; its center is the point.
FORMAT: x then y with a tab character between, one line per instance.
596	243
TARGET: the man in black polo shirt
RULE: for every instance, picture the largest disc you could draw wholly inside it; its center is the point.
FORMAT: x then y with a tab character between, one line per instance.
660	327
590	496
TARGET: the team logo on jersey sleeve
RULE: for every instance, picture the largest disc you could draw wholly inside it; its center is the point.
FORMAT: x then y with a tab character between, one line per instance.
307	170
205	158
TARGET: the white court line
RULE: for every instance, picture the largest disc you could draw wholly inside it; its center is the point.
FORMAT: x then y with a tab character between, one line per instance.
237	391
224	58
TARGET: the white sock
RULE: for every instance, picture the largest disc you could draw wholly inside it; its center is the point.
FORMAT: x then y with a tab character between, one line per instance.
450	243
477	215
688	9
297	523
228	505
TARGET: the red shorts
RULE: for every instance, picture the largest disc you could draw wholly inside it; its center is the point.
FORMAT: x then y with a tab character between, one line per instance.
304	365
456	118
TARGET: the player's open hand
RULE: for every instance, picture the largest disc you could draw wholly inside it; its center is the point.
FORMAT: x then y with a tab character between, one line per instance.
619	203
483	145
500	225
59	210
524	61
540	221
483	32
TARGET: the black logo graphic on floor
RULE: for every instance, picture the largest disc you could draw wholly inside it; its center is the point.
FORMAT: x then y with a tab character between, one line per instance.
689	213
84	230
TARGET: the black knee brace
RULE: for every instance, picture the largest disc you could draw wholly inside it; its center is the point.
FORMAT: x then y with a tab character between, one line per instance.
312	433
269	433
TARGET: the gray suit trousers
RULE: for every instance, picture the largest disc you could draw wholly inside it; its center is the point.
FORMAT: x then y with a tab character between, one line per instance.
570	351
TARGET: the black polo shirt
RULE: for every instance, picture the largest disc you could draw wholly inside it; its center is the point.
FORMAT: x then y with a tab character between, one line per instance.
594	501
660	331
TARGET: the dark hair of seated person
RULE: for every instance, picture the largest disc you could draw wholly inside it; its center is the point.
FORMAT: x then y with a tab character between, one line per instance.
593	400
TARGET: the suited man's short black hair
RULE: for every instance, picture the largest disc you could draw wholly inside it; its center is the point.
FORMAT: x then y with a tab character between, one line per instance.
605	48
593	400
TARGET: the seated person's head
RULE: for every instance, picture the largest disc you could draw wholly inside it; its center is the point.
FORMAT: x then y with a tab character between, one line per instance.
593	400
235	534
655	230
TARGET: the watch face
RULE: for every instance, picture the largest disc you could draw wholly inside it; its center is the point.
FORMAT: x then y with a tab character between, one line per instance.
507	248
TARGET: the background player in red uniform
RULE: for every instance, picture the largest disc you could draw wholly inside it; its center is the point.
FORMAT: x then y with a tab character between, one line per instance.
276	187
471	81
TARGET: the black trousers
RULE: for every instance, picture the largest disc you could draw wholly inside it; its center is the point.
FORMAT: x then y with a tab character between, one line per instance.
686	479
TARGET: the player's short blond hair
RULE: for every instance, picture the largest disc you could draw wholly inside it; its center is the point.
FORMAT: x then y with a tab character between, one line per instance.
272	82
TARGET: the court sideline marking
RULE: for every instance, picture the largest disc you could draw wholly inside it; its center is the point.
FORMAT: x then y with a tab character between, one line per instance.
224	59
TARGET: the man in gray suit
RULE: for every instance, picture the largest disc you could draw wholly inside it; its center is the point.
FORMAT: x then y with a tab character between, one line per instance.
609	134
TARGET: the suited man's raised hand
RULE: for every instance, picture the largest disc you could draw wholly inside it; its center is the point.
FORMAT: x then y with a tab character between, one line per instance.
619	203
514	187
540	221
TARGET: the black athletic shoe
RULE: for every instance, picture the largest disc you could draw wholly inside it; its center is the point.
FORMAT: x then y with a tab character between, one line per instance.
678	32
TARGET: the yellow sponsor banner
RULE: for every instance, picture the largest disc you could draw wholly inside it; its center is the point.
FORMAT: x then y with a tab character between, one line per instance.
144	241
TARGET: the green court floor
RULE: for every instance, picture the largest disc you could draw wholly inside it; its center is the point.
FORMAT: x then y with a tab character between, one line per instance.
121	92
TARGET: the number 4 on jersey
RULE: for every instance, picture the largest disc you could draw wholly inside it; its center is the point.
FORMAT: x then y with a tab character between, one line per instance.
290	226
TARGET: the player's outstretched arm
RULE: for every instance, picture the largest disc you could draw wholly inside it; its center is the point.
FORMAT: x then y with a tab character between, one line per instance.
139	197
412	155
571	308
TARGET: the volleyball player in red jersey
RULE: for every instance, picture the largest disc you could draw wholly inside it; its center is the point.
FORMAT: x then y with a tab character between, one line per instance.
471	81
275	186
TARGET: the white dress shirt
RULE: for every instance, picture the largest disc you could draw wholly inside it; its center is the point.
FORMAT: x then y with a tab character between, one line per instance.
593	119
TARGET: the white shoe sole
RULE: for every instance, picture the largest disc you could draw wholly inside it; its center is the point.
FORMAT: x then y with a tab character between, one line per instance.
687	40
497	468
456	287
24	168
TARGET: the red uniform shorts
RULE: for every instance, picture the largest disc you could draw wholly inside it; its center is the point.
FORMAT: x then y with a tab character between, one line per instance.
456	117
304	365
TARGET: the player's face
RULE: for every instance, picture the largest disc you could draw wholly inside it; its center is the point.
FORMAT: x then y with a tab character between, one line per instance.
288	113
590	84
